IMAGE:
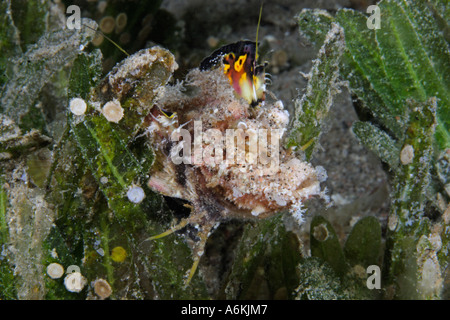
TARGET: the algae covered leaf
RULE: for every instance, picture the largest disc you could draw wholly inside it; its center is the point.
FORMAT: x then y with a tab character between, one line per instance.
312	108
398	75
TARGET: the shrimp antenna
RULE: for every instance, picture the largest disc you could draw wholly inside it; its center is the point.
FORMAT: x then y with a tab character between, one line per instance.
109	39
257	30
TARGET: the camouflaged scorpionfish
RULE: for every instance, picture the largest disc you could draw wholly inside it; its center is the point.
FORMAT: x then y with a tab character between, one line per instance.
219	145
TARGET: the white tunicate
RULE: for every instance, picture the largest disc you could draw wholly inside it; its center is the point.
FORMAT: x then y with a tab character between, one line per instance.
102	288
121	20
136	194
55	270
77	106
112	111
107	24
407	154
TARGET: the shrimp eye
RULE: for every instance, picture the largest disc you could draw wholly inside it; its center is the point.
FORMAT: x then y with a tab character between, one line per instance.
240	63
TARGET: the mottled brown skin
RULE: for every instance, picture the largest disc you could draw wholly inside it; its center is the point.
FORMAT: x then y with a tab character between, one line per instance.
215	104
